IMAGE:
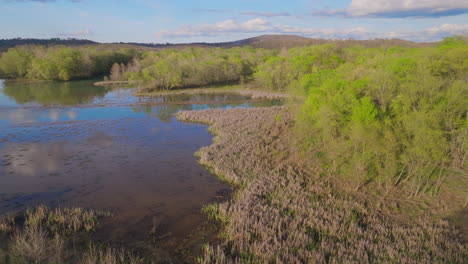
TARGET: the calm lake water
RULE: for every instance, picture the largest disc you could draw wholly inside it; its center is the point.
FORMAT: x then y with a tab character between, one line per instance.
75	144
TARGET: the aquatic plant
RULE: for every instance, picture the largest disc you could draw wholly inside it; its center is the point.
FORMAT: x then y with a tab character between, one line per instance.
64	220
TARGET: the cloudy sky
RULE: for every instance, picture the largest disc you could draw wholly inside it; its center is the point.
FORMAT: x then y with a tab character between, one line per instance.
176	21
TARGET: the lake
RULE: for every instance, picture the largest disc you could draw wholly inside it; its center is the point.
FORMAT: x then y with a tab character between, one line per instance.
76	144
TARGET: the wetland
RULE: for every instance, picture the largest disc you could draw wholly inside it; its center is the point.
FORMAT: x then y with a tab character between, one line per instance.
74	144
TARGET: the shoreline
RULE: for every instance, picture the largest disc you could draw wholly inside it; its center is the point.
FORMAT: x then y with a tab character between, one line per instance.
105	83
282	210
255	94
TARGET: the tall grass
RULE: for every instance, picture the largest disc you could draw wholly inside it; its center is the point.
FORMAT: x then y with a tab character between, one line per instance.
35	245
110	256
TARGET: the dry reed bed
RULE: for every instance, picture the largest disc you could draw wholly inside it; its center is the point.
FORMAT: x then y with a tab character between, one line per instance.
282	213
251	93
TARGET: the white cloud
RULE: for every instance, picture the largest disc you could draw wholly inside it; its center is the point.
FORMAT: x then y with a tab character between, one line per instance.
400	8
77	34
457	29
432	33
261	26
230	25
244	13
266	14
333	33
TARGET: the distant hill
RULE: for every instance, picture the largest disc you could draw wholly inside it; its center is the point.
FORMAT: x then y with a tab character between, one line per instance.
9	43
264	41
290	41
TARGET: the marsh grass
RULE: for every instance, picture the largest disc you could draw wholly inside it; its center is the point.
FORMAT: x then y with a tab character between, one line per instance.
47	236
251	91
65	220
215	214
7	222
34	244
95	255
284	210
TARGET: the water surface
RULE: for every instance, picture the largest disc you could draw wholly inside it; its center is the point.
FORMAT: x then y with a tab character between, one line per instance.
75	144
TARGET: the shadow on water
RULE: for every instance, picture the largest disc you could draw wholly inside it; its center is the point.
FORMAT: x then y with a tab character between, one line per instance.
134	160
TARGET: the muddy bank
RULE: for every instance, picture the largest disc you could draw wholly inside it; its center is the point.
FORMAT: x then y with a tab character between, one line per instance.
104	83
254	94
284	211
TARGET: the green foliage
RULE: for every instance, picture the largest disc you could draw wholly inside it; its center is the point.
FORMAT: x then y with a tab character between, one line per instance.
395	116
59	63
215	214
275	73
290	68
191	67
15	63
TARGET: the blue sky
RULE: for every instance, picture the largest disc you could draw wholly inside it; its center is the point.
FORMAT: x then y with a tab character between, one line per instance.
176	21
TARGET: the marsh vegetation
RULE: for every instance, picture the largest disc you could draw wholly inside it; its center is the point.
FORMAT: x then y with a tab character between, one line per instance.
286	210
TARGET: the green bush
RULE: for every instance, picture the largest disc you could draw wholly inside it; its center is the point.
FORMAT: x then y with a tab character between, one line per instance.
395	116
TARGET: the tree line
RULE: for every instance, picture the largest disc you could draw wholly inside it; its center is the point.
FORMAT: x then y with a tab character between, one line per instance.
190	67
60	62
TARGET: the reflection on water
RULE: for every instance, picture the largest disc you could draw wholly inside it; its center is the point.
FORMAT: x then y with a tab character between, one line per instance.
26	103
79	145
53	93
33	159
